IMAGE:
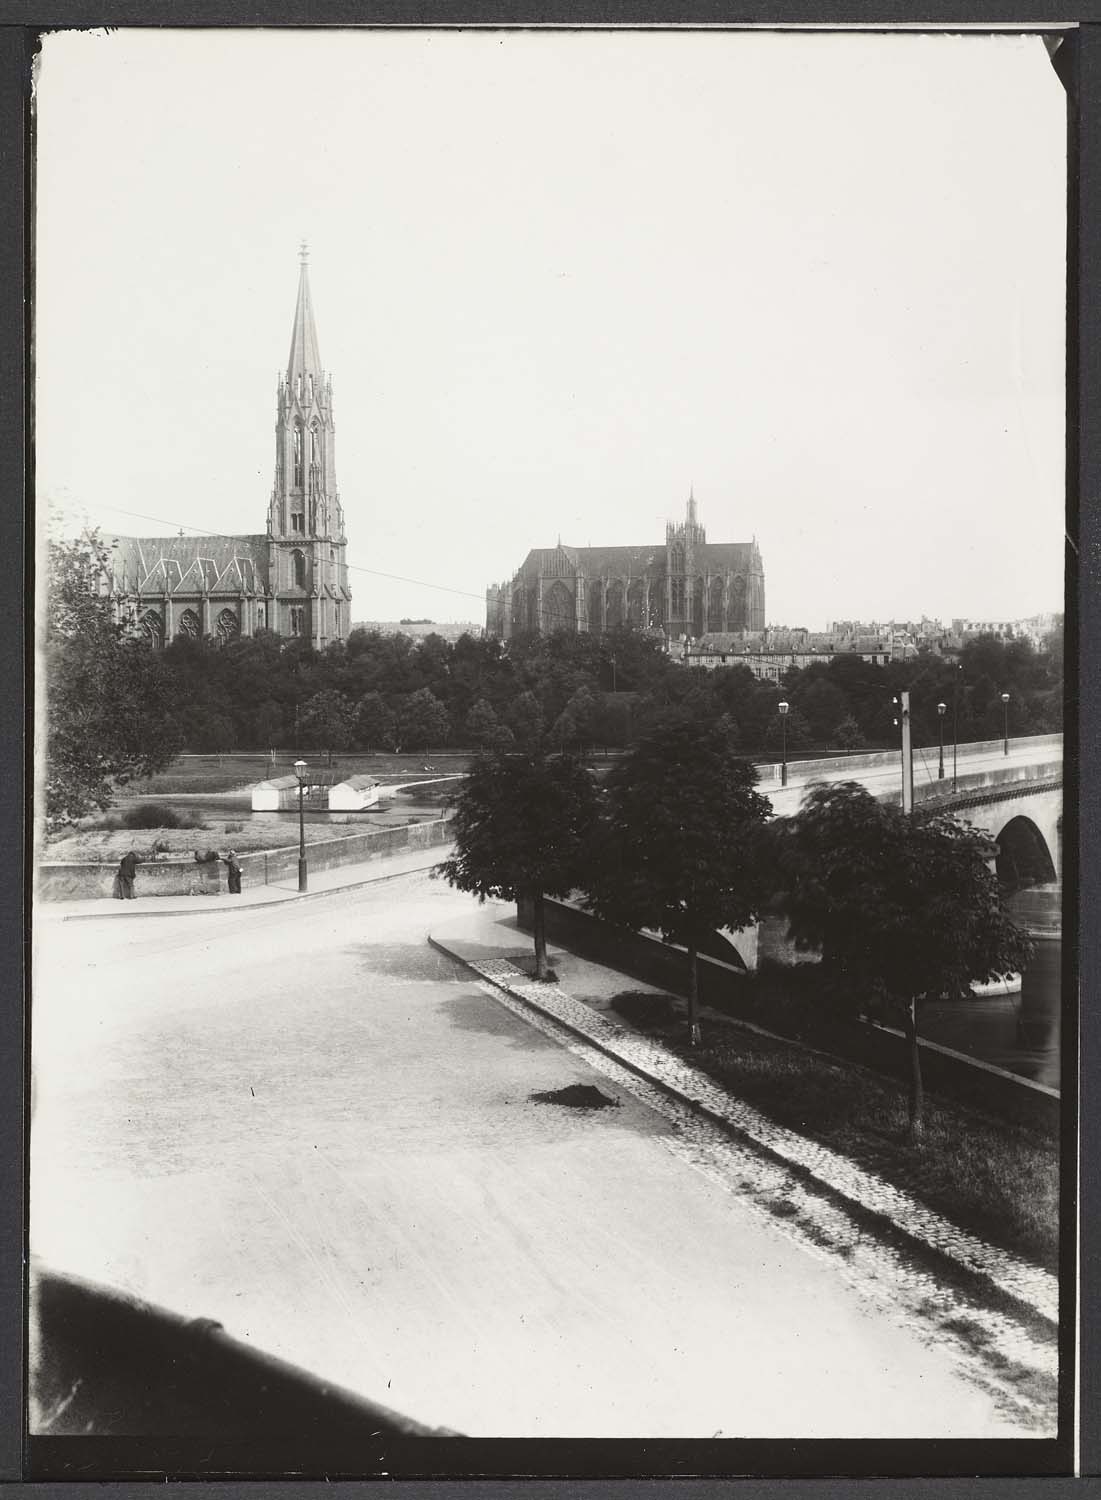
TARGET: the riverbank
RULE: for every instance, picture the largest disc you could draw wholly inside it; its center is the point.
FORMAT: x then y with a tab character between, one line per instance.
997	1180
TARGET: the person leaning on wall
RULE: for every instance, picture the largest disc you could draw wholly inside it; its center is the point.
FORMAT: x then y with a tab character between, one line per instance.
233	873
124	880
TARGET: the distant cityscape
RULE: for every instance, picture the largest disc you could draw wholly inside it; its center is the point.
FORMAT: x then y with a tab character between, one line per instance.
771	652
776	649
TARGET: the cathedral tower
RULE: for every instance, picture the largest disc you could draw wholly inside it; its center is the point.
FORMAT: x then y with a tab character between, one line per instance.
307	570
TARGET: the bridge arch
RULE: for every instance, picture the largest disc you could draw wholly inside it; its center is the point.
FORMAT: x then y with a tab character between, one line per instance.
1024	857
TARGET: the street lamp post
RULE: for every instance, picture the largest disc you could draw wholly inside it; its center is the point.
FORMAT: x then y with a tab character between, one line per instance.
783	707
941	710
300	769
1005	723
956	723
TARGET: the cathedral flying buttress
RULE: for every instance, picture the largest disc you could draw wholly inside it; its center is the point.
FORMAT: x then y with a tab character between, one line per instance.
292	579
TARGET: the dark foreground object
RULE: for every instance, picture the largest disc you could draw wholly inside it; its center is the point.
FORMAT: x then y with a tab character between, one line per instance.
106	1365
133	1392
577	1096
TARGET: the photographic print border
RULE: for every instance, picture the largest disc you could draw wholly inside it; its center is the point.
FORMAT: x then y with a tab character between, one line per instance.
601	1460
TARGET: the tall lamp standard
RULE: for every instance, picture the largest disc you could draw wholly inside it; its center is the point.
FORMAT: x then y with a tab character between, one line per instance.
300	769
1005	723
783	707
942	709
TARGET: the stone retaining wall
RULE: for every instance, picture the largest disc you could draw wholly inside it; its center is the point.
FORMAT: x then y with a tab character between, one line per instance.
183	877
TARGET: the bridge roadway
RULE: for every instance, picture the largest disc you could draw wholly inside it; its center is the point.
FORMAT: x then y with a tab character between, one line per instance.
307	1124
976	765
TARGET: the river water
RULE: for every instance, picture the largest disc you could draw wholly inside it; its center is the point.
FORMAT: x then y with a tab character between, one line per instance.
1021	1032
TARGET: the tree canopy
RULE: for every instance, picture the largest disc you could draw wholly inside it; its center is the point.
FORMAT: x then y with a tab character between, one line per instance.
899	907
522	825
679	847
109	699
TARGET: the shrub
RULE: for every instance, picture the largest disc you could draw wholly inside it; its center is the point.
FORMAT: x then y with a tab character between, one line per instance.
158	815
150	815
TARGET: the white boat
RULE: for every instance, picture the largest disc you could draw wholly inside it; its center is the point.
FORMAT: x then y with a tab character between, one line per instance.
1001	984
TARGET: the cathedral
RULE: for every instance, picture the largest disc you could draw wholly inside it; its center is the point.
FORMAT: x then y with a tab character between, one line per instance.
687	588
291	579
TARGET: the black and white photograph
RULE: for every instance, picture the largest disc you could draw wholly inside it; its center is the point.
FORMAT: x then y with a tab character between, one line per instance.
548	751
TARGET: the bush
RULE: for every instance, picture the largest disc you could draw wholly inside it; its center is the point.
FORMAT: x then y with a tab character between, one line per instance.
158	815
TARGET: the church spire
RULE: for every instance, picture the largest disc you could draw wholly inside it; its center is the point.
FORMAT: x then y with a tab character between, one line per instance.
305	355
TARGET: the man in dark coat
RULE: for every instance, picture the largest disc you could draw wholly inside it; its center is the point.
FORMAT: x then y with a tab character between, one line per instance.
128	865
233	873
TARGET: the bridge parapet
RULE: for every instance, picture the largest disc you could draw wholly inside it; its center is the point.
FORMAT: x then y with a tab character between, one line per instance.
878	760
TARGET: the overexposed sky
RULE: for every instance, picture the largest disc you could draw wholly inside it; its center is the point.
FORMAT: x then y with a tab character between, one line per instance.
558	278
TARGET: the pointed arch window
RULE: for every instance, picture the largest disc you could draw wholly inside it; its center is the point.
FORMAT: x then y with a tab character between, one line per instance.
298	562
152	627
309	383
228	625
315	448
298	456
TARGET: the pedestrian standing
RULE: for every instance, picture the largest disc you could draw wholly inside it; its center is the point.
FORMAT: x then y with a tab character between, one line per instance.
233	870
128	865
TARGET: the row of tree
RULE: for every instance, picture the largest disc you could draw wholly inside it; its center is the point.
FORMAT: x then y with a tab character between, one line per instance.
678	840
384	692
116	709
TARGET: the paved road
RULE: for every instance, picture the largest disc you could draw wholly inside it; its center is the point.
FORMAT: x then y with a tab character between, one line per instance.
309	1125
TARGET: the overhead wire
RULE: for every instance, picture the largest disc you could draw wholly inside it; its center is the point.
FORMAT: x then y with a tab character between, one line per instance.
352	567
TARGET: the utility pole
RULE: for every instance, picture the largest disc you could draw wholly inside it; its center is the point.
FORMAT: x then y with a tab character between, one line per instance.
903	703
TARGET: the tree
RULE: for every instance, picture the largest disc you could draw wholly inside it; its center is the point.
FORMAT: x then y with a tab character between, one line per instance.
679	845
900	907
611	723
796	735
109	699
326	720
485	729
374	723
422	718
522	825
847	735
268	724
526	722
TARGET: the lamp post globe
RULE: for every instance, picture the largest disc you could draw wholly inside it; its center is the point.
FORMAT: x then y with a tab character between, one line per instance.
784	707
300	769
1005	723
942	709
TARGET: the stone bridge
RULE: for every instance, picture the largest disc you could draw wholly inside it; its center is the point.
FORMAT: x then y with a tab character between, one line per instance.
1017	798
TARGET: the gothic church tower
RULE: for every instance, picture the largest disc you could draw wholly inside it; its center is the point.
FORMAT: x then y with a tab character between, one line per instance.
307	571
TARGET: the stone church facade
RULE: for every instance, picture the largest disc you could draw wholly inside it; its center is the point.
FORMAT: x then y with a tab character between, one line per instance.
291	579
687	588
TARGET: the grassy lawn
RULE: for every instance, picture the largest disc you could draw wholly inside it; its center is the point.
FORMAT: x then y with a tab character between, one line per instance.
227	773
996	1179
